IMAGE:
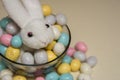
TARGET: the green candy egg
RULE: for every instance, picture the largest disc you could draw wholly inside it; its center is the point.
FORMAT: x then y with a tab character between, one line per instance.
64	39
66	76
52	76
2	65
4	22
16	41
2	49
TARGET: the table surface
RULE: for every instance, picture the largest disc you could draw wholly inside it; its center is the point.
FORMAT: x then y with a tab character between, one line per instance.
97	23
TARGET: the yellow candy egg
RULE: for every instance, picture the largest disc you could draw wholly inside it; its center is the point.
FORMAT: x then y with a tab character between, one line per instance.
12	53
51	45
46	10
64	68
18	77
75	65
51	55
59	27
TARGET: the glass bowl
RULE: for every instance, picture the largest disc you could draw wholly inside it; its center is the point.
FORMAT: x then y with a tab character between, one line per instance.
37	69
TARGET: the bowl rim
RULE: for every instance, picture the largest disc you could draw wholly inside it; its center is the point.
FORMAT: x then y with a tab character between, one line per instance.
69	32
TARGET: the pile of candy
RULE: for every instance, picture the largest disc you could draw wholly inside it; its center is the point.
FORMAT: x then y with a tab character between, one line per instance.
75	60
13	48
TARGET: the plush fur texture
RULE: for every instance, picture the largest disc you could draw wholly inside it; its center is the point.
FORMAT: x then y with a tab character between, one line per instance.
29	16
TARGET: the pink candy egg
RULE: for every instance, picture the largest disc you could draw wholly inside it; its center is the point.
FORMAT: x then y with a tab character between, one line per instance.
39	78
81	46
6	39
70	51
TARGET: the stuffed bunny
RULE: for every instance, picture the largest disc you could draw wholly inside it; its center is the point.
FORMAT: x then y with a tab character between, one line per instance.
29	17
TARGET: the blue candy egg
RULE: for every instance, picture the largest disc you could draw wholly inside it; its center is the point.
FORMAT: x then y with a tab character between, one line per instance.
2	65
52	76
66	76
2	49
16	41
64	39
67	59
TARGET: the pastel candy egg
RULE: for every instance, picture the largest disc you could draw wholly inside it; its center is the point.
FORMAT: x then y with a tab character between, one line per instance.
39	78
56	32
19	77
81	46
75	75
51	45
6	39
70	51
4	22
58	48
2	65
3	49
66	76
59	27
61	19
64	68
41	56
52	76
12	53
64	39
75	65
12	28
50	19
1	32
16	41
27	58
79	55
84	76
6	74
7	77
51	55
92	61
85	68
67	59
46	10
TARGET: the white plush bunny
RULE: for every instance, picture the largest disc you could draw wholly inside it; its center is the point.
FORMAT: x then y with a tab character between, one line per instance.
28	15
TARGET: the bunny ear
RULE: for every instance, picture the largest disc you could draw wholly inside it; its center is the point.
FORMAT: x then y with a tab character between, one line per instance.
34	8
16	11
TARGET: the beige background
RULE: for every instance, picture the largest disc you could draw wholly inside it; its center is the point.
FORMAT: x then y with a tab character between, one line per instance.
96	22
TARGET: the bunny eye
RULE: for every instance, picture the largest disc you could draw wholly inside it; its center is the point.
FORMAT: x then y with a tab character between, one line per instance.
47	25
30	34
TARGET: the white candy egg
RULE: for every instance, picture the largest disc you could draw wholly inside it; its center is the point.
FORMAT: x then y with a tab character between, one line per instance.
84	76
7	77
27	58
58	48
56	32
50	19
92	61
41	56
6	74
79	55
85	68
61	19
12	28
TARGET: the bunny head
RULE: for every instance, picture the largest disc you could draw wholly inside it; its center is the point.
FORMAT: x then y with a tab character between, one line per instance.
28	15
